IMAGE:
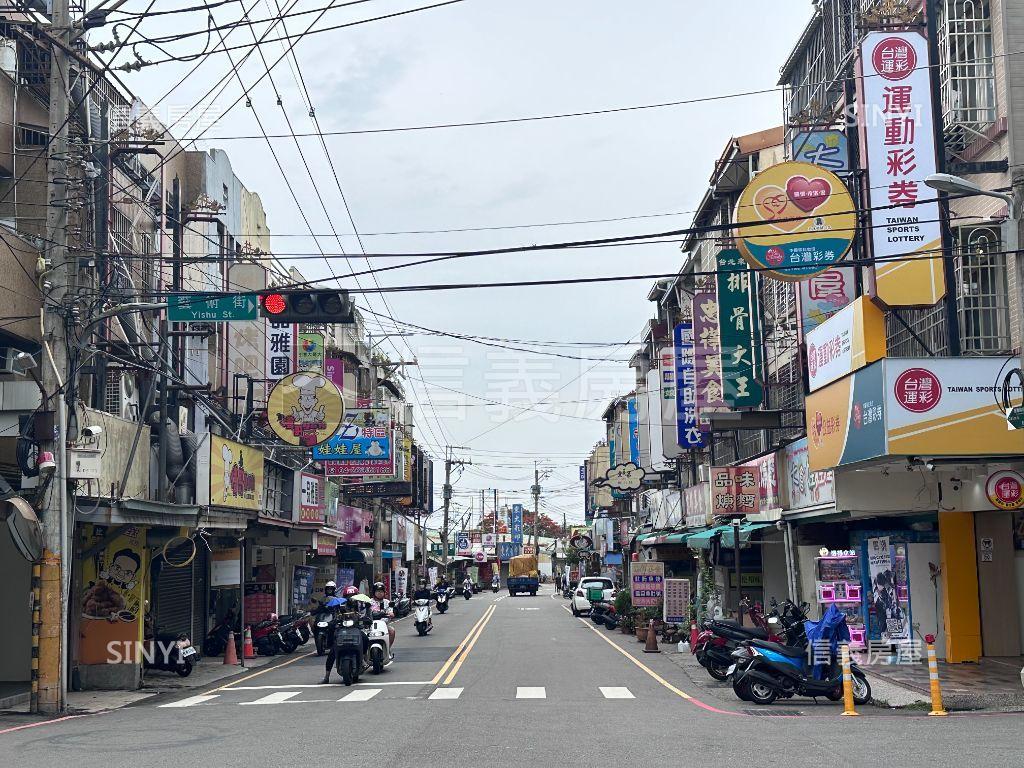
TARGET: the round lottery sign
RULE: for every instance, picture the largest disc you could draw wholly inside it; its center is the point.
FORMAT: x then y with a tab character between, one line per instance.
795	220
1005	489
479	557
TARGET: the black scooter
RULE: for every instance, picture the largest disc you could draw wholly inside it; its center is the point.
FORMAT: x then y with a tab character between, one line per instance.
351	645
441	600
170	652
467	592
401	605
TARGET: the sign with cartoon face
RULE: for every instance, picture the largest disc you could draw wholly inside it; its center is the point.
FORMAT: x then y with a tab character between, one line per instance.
305	408
795	220
112	607
364	435
236	474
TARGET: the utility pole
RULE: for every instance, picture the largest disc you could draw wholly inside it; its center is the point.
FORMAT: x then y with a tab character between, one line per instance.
536	511
49	689
446	495
375	502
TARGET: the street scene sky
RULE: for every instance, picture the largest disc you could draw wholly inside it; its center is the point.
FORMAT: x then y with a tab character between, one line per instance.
535	366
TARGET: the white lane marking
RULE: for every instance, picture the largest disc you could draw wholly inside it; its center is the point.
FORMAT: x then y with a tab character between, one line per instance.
499	599
320	685
277	697
447	694
531	693
616	693
364	694
192	701
529	609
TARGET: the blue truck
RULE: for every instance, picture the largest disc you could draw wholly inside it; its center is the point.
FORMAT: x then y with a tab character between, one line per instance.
523	575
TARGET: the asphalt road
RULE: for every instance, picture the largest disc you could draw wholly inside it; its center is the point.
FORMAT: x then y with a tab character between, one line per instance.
506	681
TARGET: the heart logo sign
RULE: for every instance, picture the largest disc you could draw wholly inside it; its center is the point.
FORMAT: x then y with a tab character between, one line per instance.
772	204
808	194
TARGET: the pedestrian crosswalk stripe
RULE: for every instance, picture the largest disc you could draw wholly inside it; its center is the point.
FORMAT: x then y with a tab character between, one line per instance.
363	694
531	693
445	693
616	693
192	701
274	698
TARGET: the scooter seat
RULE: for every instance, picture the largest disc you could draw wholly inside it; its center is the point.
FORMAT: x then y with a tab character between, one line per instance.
735	631
785	650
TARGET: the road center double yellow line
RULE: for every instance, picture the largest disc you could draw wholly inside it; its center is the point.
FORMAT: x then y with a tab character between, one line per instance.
464	649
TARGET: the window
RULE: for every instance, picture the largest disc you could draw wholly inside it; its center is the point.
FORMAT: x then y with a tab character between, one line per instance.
966	70
983	299
32	136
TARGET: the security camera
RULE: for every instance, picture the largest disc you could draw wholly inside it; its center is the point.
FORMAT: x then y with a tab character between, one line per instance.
92	431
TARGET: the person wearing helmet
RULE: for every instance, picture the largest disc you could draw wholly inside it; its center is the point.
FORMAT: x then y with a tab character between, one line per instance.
380	604
330	589
333	603
422	591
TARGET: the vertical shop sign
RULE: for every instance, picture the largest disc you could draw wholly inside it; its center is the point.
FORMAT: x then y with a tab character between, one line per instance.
677	601
736	332
309	352
707	355
897	114
647	583
280	350
634	432
688	430
735	491
667	401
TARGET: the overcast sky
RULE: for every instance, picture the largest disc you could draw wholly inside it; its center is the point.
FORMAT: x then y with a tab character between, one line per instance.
483	60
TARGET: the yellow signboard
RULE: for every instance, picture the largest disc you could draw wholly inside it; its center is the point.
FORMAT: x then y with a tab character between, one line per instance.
795	220
305	408
112	609
236	474
849	340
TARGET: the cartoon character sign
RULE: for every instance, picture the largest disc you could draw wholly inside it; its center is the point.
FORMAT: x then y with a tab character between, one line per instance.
111	603
307	408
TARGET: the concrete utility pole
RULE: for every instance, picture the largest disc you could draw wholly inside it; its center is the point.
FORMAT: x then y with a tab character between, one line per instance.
446	495
536	511
50	687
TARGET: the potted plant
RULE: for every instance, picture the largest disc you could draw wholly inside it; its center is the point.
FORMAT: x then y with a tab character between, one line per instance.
624	608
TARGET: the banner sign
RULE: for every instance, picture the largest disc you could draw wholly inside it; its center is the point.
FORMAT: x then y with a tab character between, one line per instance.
463	544
736	332
823	295
734	491
355	523
515	523
647	583
897	114
688	431
800	487
309	352
888	617
309	492
364	434
507	550
302	586
677	601
334	370
697	505
634	430
796	219
707	355
280	349
851	339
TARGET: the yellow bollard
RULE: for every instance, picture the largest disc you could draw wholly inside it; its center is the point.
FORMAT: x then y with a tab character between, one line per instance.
933	679
848	709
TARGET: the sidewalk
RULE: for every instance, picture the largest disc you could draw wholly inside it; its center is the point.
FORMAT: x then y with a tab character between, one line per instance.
155	683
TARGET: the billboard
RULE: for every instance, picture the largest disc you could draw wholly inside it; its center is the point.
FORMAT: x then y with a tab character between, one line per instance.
236	474
364	435
851	339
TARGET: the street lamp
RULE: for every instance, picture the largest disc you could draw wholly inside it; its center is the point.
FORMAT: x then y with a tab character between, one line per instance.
955	185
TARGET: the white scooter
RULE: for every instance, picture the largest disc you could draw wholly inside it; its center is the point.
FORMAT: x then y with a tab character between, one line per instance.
422	610
379	649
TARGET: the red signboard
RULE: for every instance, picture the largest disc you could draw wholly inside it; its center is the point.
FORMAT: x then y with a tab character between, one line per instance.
735	491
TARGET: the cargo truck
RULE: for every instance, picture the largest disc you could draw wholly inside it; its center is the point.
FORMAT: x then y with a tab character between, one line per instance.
523	575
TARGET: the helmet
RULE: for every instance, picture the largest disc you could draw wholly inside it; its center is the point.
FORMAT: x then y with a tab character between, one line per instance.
348	591
330	589
379	586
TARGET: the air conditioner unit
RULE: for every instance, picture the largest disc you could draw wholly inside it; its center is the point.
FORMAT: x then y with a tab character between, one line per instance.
7	360
129	397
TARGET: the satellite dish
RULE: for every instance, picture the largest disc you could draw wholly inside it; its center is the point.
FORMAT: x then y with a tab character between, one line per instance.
26	532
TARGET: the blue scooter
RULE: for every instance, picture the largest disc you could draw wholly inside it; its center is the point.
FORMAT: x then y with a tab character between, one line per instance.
765	670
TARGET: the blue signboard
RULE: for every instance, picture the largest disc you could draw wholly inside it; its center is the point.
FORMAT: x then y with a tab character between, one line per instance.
689	433
634	431
515	523
362	435
826	149
583	472
507	550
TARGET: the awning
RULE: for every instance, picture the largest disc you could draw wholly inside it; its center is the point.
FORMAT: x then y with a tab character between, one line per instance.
390	554
677	538
348	554
613	558
141	512
702	539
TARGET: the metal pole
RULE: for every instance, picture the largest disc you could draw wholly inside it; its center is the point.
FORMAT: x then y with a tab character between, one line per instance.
739	570
536	513
446	495
375	504
241	596
52	661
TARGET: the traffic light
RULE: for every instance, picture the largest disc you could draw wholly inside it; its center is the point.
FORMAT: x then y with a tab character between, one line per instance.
306	306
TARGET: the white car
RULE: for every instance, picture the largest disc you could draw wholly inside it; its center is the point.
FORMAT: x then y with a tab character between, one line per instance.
580	604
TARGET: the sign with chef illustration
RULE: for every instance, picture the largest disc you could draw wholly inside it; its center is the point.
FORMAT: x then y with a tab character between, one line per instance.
305	408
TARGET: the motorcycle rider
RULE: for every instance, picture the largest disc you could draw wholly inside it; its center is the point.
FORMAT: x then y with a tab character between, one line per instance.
379	603
332	603
467	584
422	591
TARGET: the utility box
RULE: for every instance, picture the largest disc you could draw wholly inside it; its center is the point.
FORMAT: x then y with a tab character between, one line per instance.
84	464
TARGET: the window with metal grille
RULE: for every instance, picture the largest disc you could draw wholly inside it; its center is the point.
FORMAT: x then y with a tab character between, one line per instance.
927	325
983	298
32	136
112	395
966	70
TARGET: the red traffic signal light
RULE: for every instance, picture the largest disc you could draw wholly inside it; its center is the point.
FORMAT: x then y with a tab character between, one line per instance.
307	306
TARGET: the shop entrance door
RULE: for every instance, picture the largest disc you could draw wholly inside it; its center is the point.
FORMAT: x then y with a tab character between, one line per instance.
997	584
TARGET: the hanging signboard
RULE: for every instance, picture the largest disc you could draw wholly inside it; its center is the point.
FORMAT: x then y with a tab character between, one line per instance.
515	523
677	601
688	431
821	296
1005	489
735	491
896	105
355	523
304	408
697	505
280	348
363	435
707	355
795	220
634	431
507	550
736	332
463	544
236	474
365	468
851	339
828	149
309	498
309	352
667	401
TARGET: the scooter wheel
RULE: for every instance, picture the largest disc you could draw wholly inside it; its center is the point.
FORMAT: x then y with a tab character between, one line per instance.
422	629
861	690
184	670
741	690
761	693
378	664
719	673
288	646
320	650
347	670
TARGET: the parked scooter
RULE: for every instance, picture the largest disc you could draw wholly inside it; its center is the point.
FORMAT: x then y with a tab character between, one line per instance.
765	670
216	640
266	636
441	599
170	652
423	621
720	637
291	630
603	613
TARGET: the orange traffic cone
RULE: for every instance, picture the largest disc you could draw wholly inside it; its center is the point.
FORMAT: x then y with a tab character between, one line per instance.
230	654
652	640
247	649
